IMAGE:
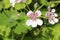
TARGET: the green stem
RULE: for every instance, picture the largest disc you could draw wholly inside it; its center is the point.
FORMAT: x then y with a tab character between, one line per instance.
23	36
26	9
40	7
55	1
27	6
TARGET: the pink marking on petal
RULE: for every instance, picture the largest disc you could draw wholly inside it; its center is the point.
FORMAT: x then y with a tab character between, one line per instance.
31	15
36	14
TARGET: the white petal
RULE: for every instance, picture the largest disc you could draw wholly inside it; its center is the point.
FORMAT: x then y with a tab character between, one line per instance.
56	20
38	13
39	22
34	24
12	1
18	14
13	4
18	1
51	22
55	15
30	12
29	22
53	10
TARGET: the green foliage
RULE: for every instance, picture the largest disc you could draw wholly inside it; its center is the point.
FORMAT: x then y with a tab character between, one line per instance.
44	2
1	6
13	21
20	6
28	1
21	28
5	2
4	20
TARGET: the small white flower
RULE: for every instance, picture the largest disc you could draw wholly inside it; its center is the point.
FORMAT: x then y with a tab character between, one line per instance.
51	17
18	14
34	21
14	1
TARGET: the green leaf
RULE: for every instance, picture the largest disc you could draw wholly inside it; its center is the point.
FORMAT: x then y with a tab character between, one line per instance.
35	5
12	16
44	11
56	32
6	4
28	1
44	2
1	6
21	28
19	6
8	38
3	19
2	29
25	38
7	31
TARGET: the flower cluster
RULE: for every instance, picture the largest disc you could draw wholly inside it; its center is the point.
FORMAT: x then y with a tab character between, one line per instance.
51	15
34	21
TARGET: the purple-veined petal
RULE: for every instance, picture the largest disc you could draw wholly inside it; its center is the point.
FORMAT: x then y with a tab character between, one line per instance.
38	13
55	20
39	22
28	22
51	22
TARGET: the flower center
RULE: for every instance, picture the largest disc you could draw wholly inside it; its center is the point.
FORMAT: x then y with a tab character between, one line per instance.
50	15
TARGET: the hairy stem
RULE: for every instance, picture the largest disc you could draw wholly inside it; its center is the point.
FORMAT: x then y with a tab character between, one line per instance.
23	37
40	7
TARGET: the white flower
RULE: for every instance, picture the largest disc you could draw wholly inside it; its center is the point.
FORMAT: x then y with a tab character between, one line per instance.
19	14
51	17
34	21
14	1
